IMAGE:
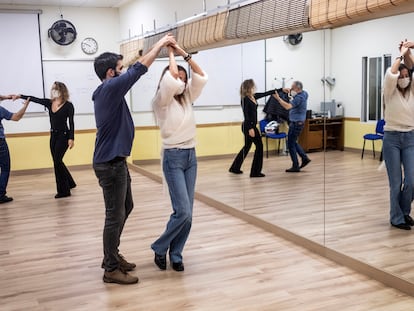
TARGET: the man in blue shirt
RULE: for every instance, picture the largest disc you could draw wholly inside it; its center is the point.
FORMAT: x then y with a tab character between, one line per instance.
297	115
4	149
114	137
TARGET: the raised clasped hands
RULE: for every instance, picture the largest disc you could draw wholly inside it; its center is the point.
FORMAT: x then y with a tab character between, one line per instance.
15	96
168	40
405	47
176	49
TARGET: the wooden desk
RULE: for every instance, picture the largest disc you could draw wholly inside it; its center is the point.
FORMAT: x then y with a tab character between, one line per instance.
323	133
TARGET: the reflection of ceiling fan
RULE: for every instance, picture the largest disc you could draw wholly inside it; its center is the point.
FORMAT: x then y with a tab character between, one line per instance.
294	39
62	32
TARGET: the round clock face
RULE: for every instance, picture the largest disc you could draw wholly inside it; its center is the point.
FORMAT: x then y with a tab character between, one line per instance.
89	46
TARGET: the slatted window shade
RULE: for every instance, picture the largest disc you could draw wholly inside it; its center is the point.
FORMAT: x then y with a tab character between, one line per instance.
266	17
194	37
130	50
269	10
331	13
202	31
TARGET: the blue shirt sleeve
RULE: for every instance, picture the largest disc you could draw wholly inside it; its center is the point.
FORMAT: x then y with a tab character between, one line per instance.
5	114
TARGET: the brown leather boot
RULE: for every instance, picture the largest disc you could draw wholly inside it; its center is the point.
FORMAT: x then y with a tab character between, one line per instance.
119	277
125	265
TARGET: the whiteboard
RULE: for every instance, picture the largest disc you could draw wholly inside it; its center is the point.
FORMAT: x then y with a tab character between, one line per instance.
21	59
144	89
79	77
226	67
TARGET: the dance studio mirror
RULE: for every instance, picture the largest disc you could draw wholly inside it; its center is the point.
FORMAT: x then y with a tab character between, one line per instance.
339	200
357	212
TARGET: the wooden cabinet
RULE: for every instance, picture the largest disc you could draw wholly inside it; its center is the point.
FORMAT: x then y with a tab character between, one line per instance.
323	133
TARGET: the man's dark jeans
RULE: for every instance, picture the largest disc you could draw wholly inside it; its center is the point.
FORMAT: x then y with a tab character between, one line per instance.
115	181
4	166
295	128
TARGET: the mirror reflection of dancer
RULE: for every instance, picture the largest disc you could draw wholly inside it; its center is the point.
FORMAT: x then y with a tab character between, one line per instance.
114	137
249	105
62	135
173	108
398	143
297	115
4	149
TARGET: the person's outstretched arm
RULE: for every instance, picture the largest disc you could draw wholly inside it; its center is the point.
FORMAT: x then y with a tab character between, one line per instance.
3	97
194	66
173	68
19	114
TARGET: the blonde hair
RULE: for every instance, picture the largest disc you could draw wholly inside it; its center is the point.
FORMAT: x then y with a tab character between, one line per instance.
246	88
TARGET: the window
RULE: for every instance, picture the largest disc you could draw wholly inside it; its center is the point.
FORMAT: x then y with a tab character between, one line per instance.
373	70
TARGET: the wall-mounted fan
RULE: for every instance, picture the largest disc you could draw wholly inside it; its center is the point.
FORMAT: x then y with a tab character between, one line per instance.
62	32
294	39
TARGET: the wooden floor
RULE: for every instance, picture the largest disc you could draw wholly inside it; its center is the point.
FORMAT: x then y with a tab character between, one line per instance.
51	250
339	201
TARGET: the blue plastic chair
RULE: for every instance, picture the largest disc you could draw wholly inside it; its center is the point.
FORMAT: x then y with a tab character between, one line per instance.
278	136
379	134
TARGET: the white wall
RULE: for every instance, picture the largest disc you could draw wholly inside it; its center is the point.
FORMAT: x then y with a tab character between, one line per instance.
304	62
349	44
140	14
102	24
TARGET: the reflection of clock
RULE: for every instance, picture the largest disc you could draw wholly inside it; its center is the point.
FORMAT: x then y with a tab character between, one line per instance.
89	46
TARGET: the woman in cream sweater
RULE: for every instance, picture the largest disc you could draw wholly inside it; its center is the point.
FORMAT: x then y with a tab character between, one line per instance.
398	146
173	108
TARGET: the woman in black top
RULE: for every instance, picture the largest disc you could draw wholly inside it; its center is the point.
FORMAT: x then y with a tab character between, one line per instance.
61	135
251	133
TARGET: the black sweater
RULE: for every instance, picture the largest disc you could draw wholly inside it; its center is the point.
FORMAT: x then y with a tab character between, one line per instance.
58	119
250	109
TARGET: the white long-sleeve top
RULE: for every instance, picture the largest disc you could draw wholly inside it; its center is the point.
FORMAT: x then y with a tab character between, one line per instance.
176	121
399	110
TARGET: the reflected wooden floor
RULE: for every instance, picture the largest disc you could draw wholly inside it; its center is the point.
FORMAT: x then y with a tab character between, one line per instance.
50	254
353	216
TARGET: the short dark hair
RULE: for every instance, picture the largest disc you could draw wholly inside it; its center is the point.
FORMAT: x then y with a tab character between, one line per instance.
104	62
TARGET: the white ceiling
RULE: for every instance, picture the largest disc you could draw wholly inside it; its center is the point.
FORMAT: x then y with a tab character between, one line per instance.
75	3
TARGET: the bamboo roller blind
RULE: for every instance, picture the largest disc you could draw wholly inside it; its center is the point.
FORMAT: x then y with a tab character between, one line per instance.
330	13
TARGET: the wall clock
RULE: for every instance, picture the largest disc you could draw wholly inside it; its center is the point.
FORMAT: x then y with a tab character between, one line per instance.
89	46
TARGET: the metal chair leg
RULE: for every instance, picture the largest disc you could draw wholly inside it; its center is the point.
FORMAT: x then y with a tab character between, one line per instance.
267	148
363	149
373	148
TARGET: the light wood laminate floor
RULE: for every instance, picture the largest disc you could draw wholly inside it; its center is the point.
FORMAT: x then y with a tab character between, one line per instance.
51	250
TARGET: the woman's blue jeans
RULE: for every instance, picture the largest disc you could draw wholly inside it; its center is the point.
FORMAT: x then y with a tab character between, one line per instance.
398	153
180	171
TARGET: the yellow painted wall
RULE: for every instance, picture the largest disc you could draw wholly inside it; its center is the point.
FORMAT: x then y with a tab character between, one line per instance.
32	151
355	130
211	140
